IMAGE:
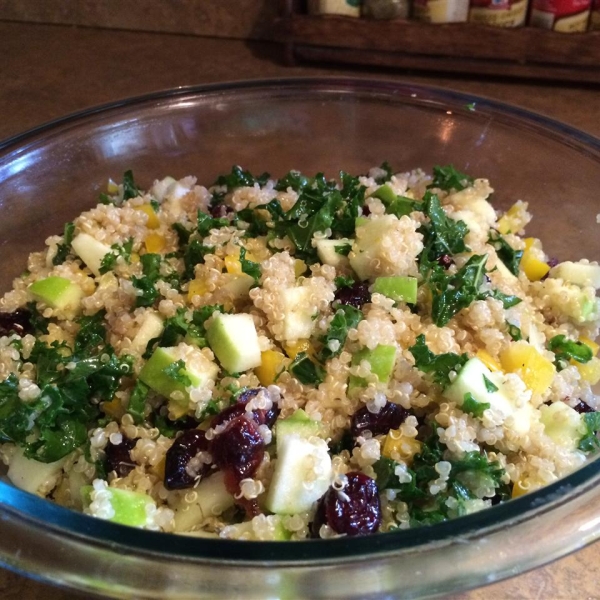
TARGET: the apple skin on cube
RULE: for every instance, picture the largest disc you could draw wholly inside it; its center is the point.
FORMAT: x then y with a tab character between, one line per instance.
563	424
57	292
400	289
234	341
90	251
32	475
582	274
382	359
130	508
154	376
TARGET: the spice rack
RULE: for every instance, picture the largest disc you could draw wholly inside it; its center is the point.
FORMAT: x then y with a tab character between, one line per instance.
466	48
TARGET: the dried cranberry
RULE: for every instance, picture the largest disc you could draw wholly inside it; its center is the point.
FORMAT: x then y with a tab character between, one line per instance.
581	407
355	510
356	295
366	211
218	211
15	322
552	262
445	260
238	449
183	449
390	416
118	457
261	416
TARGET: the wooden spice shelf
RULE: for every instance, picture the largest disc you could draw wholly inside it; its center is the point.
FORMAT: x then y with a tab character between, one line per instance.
457	47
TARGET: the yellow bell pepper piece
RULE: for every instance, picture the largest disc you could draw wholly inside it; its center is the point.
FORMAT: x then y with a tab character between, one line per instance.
113	408
112	187
589	371
488	360
536	371
135	258
299	267
155	242
233	265
176	410
512	220
520	488
197	287
533	267
159	469
153	221
294	348
400	446
271	364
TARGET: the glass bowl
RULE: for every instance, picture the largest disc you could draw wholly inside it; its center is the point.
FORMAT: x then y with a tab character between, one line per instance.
50	174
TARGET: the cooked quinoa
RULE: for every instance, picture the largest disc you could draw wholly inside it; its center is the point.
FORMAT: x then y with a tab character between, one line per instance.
281	359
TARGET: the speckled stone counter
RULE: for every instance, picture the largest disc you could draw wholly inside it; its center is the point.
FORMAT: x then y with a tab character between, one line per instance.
49	71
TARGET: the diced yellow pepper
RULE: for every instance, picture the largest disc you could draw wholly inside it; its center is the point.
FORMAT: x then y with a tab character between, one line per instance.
595	347
299	267
153	221
589	371
112	187
197	288
530	242
113	408
155	242
135	258
536	371
488	360
533	267
520	488
176	410
512	220
159	469
293	349
233	265
271	364
400	446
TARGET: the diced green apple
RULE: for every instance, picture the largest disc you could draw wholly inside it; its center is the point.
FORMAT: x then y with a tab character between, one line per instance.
367	246
161	188
470	380
275	531
579	273
32	475
400	289
562	424
385	193
328	251
90	251
234	341
302	474
298	320
152	326
238	285
299	424
382	360
128	508
57	292
198	369
212	499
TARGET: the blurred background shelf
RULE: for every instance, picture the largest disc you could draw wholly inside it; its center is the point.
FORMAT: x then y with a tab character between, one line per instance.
456	47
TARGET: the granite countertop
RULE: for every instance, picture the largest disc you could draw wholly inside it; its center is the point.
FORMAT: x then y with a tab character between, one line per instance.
50	70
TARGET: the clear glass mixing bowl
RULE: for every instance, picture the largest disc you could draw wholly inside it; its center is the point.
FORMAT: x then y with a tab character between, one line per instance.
50	174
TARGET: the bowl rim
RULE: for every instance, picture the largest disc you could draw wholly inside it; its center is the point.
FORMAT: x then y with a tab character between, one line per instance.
42	514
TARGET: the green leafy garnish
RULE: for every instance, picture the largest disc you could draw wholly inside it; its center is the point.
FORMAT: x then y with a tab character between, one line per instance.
249	267
206	223
130	189
343	281
388	172
346	317
294	180
590	443
508	301
240	178
147	292
137	402
176	371
506	253
489	386
38	322
306	371
63	249
566	350
448	179
109	260
194	255
440	365
472	406
514	332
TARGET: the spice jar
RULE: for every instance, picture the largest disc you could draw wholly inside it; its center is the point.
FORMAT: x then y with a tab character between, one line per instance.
498	13
349	8
566	16
441	11
386	9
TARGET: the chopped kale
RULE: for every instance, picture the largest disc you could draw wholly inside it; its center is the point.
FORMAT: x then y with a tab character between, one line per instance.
64	248
91	334
343	281
388	173
240	178
130	189
110	259
38	322
206	223
507	301
472	406
346	317
506	253
514	332
343	249
440	365
182	233
194	255
176	371
294	180
249	267
146	291
448	179
489	386
590	443
566	350
306	371
137	402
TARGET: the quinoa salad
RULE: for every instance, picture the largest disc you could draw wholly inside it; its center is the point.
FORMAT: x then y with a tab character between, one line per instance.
298	358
